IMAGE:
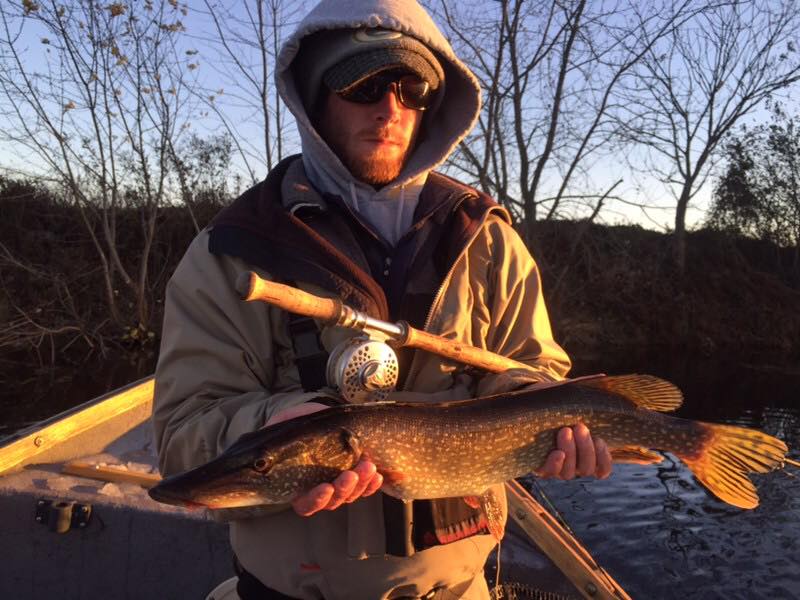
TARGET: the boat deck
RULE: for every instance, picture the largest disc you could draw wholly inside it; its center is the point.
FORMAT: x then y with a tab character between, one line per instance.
131	547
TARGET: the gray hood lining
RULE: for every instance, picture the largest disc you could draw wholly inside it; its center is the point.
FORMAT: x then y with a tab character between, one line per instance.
444	127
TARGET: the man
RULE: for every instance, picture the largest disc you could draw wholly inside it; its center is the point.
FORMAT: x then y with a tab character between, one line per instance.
380	100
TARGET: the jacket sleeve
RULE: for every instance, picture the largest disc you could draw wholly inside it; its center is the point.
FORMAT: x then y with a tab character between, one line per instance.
225	365
515	321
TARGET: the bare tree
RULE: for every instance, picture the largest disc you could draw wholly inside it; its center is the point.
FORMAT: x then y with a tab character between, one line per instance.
549	71
693	86
242	49
759	192
96	113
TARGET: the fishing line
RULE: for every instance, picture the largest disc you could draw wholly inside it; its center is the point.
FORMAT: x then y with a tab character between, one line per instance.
497	575
545	499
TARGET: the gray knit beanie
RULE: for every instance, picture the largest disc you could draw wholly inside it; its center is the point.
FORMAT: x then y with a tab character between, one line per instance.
343	57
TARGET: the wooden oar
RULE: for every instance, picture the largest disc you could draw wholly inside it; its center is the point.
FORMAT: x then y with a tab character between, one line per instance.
110	473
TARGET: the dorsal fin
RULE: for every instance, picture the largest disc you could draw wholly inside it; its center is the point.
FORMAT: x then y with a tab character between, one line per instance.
645	391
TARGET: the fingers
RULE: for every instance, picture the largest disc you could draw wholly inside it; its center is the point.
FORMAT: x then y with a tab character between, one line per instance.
604	460
362	480
585	460
566	443
553	465
313	500
369	481
577	454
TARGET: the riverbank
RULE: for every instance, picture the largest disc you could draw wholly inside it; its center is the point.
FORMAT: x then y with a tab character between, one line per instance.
615	288
609	288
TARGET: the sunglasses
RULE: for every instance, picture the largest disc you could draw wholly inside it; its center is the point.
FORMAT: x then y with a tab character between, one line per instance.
412	91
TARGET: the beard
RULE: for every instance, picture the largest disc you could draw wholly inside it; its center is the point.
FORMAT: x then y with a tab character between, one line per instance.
348	129
377	168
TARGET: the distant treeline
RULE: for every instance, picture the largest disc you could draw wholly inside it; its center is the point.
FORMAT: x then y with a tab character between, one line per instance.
588	108
608	287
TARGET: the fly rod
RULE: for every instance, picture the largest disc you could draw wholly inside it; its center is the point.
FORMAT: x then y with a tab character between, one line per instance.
333	312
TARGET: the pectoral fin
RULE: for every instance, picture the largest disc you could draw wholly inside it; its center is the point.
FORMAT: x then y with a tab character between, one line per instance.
343	449
493	509
391	477
472	501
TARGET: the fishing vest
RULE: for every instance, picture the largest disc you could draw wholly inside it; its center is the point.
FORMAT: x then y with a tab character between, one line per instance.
316	242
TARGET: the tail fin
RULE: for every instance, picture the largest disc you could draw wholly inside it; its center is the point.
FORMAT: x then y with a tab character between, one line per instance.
729	454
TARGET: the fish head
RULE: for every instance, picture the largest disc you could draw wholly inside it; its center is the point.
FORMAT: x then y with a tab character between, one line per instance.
270	466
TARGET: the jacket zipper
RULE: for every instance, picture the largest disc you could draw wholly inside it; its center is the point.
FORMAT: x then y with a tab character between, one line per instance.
412	370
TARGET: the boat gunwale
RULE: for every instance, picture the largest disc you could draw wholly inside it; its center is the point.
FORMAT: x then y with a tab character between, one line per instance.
43	439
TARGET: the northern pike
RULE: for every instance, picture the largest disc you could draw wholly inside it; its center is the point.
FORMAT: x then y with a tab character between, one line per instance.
462	448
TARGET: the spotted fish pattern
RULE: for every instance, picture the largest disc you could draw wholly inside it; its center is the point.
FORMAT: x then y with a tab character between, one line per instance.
462	448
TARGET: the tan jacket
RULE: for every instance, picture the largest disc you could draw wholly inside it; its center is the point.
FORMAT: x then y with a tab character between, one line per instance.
226	366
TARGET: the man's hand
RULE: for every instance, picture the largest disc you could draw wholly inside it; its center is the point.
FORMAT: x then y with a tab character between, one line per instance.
577	455
349	486
363	480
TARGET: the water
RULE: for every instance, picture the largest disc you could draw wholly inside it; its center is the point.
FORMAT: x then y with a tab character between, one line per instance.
657	532
30	392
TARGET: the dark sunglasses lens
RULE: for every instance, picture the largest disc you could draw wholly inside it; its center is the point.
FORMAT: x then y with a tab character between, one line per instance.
368	91
414	92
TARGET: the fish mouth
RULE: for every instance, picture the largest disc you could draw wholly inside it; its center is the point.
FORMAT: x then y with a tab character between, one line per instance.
180	491
166	495
222	495
190	500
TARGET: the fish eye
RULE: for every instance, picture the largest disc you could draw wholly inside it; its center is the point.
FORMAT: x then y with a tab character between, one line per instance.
262	464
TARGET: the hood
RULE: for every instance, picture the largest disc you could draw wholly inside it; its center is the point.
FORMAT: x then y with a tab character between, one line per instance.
444	126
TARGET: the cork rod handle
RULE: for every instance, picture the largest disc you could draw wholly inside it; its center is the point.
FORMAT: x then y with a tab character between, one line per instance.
462	353
252	287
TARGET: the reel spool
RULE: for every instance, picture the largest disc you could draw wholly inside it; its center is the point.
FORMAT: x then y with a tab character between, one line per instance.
363	370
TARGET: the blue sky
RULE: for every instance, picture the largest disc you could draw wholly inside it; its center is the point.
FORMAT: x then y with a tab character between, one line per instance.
215	74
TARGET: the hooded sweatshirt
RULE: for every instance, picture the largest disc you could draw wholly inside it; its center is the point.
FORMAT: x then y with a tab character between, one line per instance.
390	209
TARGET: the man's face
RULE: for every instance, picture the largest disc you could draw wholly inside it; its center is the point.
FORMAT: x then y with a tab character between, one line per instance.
372	140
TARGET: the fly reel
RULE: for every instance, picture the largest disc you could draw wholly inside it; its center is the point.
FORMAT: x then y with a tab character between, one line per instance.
363	369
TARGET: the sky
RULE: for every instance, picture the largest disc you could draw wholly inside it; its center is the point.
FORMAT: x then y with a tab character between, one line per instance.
215	74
